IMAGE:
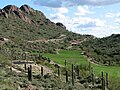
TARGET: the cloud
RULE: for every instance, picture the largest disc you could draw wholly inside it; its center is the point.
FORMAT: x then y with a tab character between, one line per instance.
117	21
110	15
87	21
57	17
99	31
82	11
69	3
48	3
61	10
115	16
81	22
87	25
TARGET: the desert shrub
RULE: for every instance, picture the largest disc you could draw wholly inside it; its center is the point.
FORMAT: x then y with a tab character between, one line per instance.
114	84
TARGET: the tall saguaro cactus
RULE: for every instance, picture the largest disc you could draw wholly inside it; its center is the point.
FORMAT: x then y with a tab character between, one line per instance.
92	79
30	73
58	71
103	81
78	70
25	66
42	71
66	76
73	75
107	80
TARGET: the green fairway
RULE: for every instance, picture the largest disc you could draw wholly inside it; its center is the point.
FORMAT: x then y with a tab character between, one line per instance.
75	57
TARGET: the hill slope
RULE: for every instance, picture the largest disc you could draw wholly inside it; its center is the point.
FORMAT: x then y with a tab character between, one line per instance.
105	50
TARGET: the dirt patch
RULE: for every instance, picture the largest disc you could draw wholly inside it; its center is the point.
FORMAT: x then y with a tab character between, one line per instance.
36	69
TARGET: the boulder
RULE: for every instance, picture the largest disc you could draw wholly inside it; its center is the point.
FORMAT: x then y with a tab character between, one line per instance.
61	25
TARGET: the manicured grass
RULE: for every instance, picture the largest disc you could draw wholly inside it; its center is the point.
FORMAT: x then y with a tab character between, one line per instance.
69	55
75	57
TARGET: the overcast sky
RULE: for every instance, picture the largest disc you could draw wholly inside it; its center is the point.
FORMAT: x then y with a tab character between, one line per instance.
97	17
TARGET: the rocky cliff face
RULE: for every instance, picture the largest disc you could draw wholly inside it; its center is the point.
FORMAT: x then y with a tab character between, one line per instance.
18	12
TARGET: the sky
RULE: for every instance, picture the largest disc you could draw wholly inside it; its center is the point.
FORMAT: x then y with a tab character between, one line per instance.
100	18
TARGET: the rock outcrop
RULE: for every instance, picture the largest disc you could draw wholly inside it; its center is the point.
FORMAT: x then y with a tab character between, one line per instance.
61	25
27	9
22	16
3	13
18	12
11	8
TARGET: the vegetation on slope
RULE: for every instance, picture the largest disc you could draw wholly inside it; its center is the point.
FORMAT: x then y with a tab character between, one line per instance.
105	50
29	33
29	29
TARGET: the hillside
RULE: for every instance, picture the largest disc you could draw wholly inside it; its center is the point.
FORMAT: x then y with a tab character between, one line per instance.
105	50
25	34
29	24
30	30
37	54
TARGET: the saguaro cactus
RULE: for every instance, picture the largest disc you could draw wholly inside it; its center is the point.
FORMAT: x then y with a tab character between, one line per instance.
92	79
30	73
59	71
103	81
42	71
25	66
77	70
65	63
107	80
73	75
66	76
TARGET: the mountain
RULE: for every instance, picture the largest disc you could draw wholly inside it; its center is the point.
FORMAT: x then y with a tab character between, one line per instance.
105	50
27	23
27	30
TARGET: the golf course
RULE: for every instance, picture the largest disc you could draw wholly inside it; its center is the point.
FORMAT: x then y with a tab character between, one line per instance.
75	57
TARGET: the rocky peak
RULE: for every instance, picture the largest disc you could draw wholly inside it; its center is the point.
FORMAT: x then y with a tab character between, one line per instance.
14	10
26	8
11	8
